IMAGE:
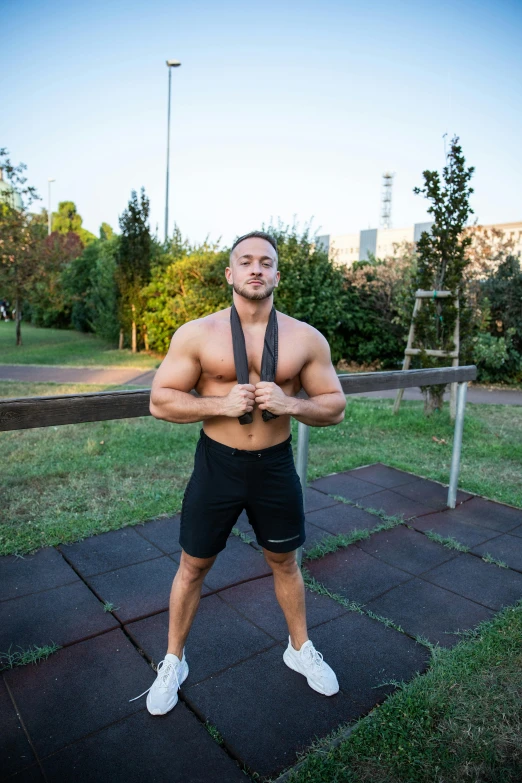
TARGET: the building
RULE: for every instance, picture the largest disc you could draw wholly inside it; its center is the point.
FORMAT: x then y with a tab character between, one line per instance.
347	248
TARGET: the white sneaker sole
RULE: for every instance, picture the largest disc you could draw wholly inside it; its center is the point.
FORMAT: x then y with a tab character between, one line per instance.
287	658
157	712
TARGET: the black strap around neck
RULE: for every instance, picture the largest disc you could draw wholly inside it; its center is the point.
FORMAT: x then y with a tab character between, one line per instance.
268	360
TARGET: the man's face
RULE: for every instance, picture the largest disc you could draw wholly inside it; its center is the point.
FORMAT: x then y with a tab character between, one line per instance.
253	269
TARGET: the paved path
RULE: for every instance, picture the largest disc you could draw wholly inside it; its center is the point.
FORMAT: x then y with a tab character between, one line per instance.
135	377
70	716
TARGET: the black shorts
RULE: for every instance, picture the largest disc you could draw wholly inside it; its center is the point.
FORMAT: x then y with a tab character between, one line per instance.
225	481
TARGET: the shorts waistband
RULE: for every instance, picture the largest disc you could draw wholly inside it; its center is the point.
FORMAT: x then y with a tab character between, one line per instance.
224	449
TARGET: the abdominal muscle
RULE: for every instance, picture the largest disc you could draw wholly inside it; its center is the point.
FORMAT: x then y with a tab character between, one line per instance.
251	437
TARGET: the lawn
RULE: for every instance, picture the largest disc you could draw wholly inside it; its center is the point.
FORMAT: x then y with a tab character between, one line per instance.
64	483
461	721
66	347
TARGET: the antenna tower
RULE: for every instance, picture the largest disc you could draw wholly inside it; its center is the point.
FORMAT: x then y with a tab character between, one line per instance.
386	199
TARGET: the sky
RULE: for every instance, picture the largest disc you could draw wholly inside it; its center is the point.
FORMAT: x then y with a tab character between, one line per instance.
281	111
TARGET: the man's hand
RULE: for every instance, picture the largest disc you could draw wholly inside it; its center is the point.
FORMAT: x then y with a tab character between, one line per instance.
269	396
239	400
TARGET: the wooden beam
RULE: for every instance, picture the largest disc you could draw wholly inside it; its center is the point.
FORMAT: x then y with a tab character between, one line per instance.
356	383
28	412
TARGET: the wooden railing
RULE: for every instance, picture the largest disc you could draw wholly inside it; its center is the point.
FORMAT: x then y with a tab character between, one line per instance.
27	412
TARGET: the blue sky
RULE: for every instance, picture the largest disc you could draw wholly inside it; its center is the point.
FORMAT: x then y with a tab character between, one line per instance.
279	110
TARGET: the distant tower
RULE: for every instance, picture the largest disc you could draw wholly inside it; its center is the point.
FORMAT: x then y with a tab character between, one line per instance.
386	199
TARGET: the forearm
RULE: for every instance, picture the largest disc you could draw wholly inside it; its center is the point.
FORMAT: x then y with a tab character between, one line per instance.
183	407
320	411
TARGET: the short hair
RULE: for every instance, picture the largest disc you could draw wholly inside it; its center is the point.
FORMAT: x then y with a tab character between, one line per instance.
261	234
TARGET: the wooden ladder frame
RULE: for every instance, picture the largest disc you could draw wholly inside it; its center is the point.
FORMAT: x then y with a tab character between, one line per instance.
411	351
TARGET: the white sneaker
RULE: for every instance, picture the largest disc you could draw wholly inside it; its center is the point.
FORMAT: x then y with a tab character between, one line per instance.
309	662
163	693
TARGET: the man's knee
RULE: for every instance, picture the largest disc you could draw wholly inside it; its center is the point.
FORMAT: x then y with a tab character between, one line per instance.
195	568
281	561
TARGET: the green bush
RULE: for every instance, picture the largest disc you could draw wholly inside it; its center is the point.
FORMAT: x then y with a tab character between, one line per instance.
496	358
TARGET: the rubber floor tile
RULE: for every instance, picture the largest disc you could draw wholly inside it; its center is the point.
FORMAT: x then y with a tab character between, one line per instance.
382	475
487	513
451	527
236	563
32	573
354	574
146	748
257	601
407	549
62	615
219	637
108	551
430	493
506	548
394	504
32	774
345	485
266	732
15	750
314	535
137	590
422	608
163	533
482	582
314	500
343	518
79	689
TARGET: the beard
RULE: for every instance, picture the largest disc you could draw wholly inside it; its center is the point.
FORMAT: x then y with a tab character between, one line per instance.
254	294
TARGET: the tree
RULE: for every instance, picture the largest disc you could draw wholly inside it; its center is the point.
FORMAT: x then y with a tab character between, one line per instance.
190	287
442	259
134	267
19	237
106	231
379	307
50	298
312	287
67	219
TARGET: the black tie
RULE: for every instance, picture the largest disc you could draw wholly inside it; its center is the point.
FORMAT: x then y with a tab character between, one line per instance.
268	360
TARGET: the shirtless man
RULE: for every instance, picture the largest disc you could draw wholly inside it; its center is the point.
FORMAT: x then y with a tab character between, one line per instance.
244	466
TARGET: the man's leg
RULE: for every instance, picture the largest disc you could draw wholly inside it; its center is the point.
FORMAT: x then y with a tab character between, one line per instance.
290	593
184	599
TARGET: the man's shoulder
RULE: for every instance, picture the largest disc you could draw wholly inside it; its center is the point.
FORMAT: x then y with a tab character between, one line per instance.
204	324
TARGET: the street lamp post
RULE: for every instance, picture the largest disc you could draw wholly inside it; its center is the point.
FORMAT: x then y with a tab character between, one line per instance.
49	210
170	64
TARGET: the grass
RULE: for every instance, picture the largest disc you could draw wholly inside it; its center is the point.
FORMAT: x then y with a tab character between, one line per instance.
447	541
61	484
461	721
66	347
8	660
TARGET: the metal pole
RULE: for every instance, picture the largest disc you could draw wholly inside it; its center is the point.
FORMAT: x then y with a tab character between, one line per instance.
303	439
457	444
168	156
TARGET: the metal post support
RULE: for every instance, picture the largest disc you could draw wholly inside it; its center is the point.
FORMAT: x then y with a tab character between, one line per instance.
303	439
457	444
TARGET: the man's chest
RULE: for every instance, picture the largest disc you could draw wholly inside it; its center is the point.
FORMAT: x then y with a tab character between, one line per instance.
217	358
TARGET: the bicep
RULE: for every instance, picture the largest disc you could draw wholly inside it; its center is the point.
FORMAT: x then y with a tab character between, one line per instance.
180	368
318	375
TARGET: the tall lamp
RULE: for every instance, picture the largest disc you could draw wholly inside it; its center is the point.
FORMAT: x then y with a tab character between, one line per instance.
170	64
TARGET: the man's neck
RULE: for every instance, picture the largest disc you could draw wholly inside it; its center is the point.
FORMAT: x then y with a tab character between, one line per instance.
253	312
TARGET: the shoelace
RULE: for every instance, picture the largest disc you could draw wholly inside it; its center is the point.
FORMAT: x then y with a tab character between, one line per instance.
315	656
165	671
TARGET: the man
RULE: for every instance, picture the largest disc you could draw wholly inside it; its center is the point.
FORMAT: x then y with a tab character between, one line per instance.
244	457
